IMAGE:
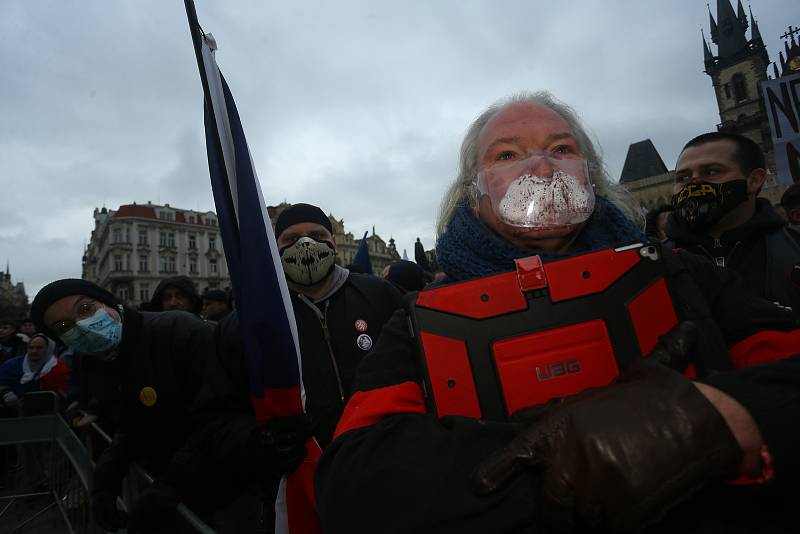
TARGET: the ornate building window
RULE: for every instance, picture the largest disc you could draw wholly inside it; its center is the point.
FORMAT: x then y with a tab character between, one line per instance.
739	87
166	239
144	263
167	264
212	266
192	241
118	262
143	237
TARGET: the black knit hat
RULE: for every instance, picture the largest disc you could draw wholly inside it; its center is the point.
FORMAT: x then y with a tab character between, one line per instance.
406	275
790	196
216	294
301	213
65	288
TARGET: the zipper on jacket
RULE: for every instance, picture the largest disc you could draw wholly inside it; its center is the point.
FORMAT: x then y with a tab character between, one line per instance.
716	259
326	332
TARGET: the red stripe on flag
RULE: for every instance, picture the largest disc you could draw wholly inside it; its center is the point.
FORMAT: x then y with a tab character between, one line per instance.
763	347
301	503
366	408
277	402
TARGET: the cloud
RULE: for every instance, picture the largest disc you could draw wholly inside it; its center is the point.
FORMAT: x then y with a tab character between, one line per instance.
356	106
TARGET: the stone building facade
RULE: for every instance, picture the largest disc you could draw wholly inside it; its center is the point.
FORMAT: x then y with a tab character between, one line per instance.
736	73
381	253
13	300
135	247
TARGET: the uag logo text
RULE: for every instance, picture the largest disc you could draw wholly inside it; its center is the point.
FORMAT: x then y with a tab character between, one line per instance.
556	369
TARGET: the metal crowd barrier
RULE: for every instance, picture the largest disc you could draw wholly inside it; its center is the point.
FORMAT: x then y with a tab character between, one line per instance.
51	482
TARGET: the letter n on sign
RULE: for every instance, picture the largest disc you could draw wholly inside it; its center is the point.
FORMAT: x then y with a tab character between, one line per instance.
782	102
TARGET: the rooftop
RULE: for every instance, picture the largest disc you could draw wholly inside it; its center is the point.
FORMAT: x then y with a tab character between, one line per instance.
642	161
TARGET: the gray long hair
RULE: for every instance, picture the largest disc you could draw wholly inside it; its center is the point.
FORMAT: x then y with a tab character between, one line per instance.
463	190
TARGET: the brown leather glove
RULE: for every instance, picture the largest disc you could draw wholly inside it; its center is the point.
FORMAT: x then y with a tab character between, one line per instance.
675	348
619	457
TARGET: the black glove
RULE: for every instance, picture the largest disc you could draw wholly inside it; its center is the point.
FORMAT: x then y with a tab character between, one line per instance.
619	457
278	447
675	348
105	511
154	511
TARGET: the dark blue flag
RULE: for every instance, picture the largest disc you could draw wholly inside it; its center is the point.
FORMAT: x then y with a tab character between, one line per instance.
361	261
268	328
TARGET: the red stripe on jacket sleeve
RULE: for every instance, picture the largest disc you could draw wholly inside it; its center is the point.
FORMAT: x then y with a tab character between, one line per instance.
365	408
766	346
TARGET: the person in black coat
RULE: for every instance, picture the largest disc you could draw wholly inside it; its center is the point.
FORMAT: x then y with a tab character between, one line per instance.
339	315
176	293
158	376
12	344
718	215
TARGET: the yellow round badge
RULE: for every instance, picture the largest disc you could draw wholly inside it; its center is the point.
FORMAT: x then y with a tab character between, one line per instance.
148	396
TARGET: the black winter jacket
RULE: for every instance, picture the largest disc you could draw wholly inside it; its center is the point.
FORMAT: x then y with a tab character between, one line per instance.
164	387
395	468
764	251
329	344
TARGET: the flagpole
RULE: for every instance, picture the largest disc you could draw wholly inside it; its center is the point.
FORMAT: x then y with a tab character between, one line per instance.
197	41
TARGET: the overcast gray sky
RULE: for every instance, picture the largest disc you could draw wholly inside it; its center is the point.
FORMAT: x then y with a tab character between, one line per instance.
358	107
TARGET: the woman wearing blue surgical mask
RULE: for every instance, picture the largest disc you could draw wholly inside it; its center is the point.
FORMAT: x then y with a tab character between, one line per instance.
86	325
154	377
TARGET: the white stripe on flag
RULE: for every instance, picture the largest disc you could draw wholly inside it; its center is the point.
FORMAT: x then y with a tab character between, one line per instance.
221	116
281	510
226	141
276	261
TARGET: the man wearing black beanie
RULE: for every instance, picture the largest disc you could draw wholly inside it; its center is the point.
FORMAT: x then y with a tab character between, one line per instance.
339	315
159	378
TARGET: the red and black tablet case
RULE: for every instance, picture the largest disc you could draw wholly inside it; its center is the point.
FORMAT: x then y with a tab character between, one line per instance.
495	345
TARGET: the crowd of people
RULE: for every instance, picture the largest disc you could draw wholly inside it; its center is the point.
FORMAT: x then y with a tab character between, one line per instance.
699	435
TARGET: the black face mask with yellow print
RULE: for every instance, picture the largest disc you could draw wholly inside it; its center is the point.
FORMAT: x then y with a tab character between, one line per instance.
702	204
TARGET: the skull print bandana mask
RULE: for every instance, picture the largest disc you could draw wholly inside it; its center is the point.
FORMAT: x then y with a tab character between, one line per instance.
307	261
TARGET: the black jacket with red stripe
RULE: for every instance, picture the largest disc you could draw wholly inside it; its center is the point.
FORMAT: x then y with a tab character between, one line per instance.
394	468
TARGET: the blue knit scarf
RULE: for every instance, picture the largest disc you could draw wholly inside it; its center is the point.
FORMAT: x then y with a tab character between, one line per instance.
468	250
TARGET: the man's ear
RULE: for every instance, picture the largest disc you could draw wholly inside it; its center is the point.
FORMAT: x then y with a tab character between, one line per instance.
755	181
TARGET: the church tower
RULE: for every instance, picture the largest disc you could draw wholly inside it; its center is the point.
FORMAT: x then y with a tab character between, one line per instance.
737	71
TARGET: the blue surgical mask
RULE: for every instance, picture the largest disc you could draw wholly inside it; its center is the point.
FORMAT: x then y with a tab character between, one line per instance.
95	335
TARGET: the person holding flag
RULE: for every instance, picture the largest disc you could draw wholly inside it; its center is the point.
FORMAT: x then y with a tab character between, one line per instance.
339	315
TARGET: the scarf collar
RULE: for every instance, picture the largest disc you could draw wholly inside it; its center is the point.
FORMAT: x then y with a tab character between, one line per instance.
340	275
36	370
467	249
